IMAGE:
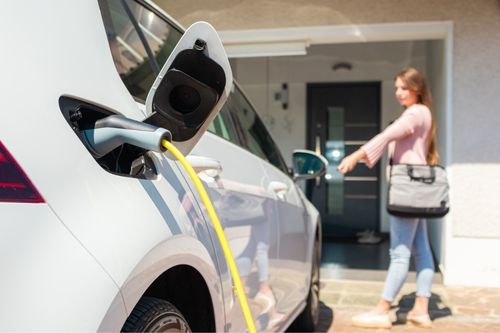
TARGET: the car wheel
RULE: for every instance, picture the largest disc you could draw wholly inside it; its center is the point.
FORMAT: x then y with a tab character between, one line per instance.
308	320
155	315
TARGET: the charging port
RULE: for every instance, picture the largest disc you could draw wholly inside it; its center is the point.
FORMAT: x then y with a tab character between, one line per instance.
125	160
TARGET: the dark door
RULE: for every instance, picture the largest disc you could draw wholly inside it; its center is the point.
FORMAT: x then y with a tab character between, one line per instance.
340	118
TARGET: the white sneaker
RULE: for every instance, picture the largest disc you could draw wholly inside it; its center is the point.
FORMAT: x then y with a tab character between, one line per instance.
363	233
370	238
369	320
266	302
423	321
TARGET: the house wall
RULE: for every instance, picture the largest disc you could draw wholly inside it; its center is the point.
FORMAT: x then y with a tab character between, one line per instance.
471	232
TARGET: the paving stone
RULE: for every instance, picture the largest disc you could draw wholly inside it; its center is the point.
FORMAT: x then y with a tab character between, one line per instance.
330	297
453	309
369	288
356	299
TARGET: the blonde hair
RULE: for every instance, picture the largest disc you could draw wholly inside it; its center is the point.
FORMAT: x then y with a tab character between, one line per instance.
418	83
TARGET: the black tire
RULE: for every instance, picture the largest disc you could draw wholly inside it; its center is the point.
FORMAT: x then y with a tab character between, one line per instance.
308	320
155	315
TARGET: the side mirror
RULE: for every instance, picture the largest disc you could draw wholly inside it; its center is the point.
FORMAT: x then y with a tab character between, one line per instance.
192	86
308	165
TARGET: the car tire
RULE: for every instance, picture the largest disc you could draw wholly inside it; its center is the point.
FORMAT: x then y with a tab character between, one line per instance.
308	320
155	315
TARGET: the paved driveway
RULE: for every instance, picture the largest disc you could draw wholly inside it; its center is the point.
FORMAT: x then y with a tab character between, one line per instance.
453	309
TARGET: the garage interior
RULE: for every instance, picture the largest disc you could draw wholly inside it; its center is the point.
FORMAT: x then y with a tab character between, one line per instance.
277	84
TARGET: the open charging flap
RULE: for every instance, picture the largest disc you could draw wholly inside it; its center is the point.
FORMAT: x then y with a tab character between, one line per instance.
191	88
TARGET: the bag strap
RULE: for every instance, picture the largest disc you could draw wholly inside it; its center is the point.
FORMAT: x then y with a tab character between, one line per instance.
391	161
426	180
391	153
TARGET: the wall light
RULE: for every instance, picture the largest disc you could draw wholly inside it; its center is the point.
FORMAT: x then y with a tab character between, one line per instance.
282	96
244	49
342	65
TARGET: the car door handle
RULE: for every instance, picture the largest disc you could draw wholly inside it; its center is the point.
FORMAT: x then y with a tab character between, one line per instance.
279	188
209	166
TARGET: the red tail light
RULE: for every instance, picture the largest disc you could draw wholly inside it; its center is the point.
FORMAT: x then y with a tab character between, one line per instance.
15	186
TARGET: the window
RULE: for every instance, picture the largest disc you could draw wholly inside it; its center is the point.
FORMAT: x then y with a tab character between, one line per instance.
140	43
223	126
255	134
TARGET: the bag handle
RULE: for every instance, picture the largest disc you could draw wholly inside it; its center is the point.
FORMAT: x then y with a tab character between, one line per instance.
426	180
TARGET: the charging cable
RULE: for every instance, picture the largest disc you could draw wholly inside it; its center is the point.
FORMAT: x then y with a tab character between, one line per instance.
238	285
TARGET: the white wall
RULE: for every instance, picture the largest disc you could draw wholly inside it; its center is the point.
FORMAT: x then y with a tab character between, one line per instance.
436	75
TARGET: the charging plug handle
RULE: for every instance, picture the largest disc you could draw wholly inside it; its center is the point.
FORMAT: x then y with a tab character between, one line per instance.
113	131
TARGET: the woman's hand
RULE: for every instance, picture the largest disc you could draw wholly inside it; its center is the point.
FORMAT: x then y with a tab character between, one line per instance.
349	162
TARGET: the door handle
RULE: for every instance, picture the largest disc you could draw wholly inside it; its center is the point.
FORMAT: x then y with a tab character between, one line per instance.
317	150
279	188
209	166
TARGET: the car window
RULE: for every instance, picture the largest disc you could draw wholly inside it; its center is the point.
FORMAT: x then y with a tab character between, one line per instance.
131	58
129	24
223	126
257	138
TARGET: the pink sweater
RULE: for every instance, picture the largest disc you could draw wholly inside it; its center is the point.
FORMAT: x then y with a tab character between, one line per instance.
409	133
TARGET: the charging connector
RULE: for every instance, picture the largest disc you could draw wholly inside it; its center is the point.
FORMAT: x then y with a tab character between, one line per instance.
113	131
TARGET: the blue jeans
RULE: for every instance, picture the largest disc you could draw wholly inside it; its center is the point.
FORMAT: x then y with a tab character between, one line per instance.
409	235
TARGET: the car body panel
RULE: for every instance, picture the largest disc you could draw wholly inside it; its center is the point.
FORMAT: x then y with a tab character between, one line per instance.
88	212
293	238
245	208
48	278
181	250
95	205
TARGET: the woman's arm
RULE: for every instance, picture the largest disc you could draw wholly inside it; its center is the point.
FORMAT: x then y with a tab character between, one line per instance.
372	151
349	162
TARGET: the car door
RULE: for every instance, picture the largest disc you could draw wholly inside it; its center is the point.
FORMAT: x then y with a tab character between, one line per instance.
246	210
293	238
288	213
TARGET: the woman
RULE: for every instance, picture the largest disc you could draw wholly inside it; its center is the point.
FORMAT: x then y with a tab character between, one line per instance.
411	139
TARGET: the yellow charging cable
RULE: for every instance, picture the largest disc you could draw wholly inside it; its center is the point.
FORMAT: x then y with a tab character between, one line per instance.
238	286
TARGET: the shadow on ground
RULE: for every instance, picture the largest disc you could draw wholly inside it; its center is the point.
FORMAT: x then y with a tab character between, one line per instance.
325	317
437	309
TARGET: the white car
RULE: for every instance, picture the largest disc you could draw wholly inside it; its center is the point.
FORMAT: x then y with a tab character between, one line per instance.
110	234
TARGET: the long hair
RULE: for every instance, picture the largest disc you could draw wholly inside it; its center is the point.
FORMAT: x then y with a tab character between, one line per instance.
418	83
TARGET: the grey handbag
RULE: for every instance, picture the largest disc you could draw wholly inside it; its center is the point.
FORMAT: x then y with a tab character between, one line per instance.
418	191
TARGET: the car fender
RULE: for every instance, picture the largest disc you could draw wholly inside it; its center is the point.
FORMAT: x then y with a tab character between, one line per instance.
172	252
314	224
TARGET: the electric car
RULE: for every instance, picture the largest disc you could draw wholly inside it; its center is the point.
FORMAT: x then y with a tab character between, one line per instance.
102	230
